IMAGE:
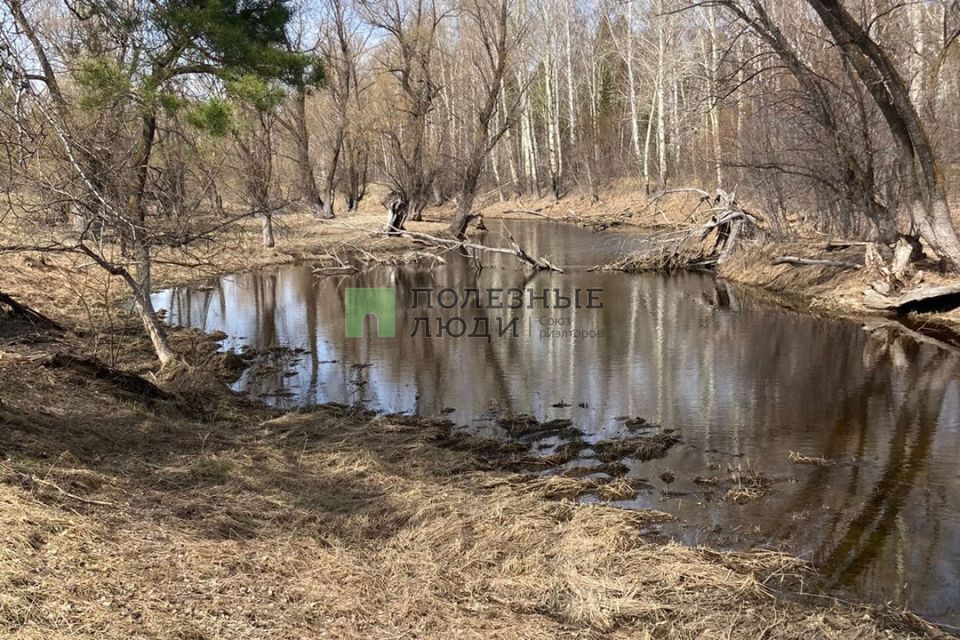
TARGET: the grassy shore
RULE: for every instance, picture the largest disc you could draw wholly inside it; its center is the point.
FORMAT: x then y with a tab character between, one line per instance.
195	514
201	516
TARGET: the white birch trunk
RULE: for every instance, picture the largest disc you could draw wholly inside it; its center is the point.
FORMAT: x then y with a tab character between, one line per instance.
632	94
661	126
571	89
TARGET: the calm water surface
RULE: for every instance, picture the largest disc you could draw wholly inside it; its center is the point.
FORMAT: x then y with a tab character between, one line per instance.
744	383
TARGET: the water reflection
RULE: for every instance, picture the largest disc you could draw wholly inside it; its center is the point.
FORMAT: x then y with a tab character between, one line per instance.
743	382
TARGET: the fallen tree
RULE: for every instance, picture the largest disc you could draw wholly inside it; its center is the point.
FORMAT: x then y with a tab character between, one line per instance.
539	264
933	298
803	262
35	318
452	244
92	368
705	245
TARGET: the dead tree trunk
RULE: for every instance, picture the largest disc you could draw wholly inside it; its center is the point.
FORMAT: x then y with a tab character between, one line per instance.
925	199
301	135
35	318
396	206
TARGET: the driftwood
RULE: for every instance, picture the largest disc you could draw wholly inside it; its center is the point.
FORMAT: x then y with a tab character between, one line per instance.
941	297
835	245
693	247
530	212
334	271
814	262
32	316
540	264
728	221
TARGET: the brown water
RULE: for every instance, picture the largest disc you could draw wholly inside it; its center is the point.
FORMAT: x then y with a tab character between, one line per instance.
743	382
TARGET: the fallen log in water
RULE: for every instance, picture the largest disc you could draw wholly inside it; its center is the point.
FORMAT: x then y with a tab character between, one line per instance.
540	264
692	247
531	212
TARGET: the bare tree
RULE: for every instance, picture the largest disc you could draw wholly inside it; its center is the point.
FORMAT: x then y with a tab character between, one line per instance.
257	102
497	39
924	199
99	84
294	117
339	60
412	29
855	182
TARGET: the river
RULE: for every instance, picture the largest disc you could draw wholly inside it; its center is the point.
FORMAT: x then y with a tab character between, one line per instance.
744	383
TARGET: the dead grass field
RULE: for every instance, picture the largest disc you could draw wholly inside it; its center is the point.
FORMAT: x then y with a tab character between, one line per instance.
127	519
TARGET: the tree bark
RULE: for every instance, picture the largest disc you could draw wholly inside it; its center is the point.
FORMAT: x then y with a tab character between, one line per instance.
148	315
266	229
926	200
632	91
301	134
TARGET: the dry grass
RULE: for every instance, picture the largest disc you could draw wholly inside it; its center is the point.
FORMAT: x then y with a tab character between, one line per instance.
341	524
748	484
240	523
825	288
798	458
619	489
820	289
621	204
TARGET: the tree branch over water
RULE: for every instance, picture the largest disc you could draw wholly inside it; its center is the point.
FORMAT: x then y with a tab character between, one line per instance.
538	263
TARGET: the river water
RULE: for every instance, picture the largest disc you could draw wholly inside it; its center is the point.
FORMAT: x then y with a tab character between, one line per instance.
742	382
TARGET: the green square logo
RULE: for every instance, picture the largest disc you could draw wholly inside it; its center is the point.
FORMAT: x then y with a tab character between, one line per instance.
380	303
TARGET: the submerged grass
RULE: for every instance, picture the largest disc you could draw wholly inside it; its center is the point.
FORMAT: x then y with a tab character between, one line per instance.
637	447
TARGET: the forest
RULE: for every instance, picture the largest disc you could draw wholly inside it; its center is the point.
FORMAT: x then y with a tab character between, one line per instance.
762	195
157	126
